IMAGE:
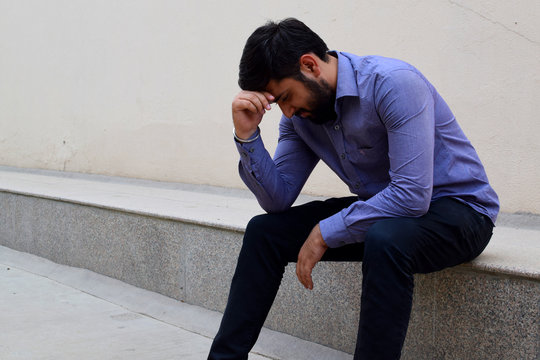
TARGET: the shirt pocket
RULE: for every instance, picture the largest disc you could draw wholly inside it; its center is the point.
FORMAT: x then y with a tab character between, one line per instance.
369	158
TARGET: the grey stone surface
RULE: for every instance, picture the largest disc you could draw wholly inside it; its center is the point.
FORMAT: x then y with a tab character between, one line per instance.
481	316
420	342
232	208
329	313
488	308
203	205
65	313
519	220
511	251
57	322
460	314
210	262
139	250
49	320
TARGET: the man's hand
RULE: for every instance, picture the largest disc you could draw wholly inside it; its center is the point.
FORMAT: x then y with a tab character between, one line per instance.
309	255
248	108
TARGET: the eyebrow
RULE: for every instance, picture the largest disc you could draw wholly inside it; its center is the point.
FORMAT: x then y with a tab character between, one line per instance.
276	98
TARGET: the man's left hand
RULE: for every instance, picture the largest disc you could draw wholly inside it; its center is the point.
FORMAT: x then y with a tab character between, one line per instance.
309	255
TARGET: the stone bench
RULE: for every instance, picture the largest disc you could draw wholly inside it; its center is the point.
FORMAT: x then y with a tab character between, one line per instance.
182	241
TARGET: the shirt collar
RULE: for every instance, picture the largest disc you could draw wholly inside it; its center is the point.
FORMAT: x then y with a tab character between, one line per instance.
346	80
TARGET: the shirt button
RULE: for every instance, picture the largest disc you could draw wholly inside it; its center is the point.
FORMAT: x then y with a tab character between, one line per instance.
244	153
356	186
343	156
251	150
336	127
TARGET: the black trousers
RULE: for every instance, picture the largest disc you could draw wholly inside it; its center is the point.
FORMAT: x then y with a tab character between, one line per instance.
394	249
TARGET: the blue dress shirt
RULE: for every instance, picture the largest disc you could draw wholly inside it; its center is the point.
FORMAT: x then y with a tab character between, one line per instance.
395	143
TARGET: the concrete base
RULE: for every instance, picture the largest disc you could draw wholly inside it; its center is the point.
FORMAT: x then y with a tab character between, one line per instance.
487	309
64	313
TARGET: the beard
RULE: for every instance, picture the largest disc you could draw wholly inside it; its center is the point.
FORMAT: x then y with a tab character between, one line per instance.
322	104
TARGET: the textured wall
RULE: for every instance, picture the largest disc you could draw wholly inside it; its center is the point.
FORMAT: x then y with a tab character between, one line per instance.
143	88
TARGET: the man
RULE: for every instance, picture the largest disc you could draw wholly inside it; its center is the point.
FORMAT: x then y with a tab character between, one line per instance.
422	199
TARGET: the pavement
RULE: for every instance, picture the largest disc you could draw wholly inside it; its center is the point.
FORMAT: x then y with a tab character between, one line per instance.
52	311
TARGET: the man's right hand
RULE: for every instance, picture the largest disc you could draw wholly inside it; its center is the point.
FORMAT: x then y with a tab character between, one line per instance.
248	108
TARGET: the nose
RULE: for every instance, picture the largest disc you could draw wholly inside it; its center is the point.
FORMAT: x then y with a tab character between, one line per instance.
288	110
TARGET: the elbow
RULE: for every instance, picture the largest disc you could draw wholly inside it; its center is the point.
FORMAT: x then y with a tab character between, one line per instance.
418	209
279	200
419	201
412	199
272	207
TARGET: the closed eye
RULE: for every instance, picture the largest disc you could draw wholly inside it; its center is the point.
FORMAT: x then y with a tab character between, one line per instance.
281	98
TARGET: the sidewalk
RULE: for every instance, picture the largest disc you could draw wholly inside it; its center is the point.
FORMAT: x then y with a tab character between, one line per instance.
51	311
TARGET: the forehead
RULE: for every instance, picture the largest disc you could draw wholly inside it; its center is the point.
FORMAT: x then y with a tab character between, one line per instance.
279	87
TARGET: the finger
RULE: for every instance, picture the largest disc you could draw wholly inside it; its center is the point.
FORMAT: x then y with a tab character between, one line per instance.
309	282
246	104
268	96
299	273
306	279
261	99
244	101
303	272
265	99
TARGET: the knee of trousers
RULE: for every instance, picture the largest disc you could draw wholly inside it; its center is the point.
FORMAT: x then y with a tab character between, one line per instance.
388	240
257	230
263	241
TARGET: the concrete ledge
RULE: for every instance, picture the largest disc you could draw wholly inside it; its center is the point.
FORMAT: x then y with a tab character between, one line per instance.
182	241
195	326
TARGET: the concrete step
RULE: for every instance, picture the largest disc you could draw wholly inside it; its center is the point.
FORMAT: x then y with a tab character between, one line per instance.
53	311
182	241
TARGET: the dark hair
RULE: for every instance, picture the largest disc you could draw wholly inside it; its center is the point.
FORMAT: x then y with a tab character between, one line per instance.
273	51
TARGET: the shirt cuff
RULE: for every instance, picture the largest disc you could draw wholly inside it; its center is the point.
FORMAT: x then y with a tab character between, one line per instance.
249	152
334	231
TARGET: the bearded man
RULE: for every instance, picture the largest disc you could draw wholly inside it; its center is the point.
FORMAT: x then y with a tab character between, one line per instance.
422	201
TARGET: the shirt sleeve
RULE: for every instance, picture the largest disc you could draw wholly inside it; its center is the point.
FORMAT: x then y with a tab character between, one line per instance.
276	182
405	105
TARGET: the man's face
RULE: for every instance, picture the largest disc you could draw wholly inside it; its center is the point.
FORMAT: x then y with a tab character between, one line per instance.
309	98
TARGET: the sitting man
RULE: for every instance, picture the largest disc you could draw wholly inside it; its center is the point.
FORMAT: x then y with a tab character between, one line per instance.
422	199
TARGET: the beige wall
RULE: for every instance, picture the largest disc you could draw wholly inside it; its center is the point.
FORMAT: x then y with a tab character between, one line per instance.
142	88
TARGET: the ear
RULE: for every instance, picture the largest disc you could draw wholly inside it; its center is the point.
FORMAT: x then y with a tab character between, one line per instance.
309	65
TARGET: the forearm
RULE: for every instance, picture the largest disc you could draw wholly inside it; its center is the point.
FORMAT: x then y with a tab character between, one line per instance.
351	224
274	186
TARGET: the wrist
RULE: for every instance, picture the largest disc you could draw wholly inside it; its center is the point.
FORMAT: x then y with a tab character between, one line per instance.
243	134
247	138
320	238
